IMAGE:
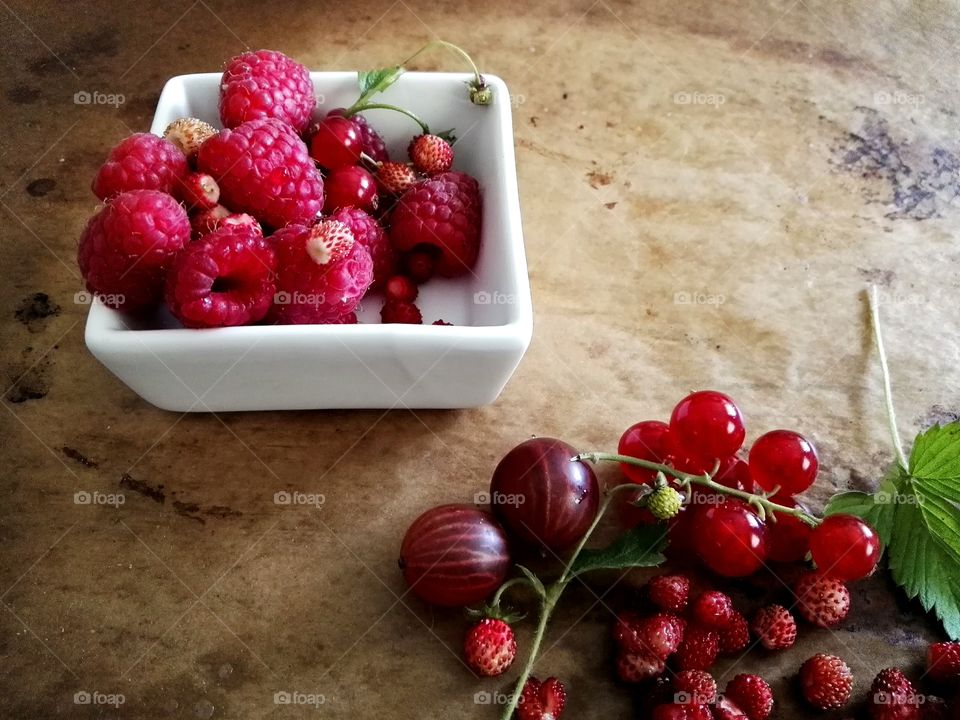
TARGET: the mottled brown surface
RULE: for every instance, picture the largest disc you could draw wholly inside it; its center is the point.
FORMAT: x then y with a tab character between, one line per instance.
831	163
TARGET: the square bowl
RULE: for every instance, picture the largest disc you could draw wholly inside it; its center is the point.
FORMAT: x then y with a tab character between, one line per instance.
368	365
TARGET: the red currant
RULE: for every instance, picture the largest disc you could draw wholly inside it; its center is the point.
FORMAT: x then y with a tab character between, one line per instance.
734	473
789	536
785	459
348	186
707	425
647	440
336	142
729	537
845	547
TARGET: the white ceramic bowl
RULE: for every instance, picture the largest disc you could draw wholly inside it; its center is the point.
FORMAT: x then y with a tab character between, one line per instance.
369	365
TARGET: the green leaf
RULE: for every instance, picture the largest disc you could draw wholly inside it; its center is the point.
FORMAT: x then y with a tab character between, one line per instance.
924	568
640	547
373	81
941	517
936	453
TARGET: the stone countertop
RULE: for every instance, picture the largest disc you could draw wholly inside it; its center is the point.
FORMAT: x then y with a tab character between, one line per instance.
707	189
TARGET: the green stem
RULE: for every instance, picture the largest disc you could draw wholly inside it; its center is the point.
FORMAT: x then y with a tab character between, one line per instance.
686	479
359	107
506	586
479	82
885	370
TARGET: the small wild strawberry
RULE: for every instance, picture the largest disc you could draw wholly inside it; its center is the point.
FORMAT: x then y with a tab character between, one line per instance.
542	700
826	681
490	647
823	601
775	627
430	154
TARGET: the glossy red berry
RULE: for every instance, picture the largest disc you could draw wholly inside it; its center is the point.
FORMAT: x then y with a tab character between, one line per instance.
845	547
647	440
734	473
783	459
400	288
789	537
707	425
420	265
336	142
729	537
349	186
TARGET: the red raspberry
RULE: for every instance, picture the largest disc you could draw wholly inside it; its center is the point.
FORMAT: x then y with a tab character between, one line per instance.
199	191
669	592
490	647
227	278
699	649
420	266
127	247
311	291
775	627
736	636
396	178
542	700
370	140
636	668
823	601
401	289
826	681
752	694
263	168
242	220
430	154
206	221
368	232
713	610
893	697
697	686
266	84
943	661
401	313
141	162
443	212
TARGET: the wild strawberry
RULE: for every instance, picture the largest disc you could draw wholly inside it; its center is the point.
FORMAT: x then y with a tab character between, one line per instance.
669	592
681	711
430	154
736	636
658	635
189	134
697	686
943	661
490	647
727	709
401	288
822	601
665	502
775	627
395	178
699	649
401	313
329	241
893	697
713	610
638	667
198	191
752	694
826	681
542	700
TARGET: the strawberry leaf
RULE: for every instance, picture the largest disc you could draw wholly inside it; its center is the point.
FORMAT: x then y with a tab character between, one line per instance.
641	547
936	453
374	81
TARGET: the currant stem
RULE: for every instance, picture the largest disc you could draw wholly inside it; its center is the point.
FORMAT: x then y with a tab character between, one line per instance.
354	109
885	370
686	479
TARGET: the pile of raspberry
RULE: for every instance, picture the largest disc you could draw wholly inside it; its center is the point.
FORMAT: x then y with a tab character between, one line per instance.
279	217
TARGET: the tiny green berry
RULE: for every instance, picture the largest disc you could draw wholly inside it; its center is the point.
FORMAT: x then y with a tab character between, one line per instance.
665	502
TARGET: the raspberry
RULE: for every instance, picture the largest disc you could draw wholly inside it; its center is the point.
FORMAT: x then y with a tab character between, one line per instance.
826	681
490	647
401	289
127	247
206	221
263	168
638	667
442	322
312	292
943	661
227	278
736	636
664	503
396	178
699	649
752	694
401	313
821	601
430	154
697	686
242	219
669	592
265	84
775	627
349	319
442	212
189	134
367	231
713	610
141	162
893	697
541	700
371	141
199	191
420	266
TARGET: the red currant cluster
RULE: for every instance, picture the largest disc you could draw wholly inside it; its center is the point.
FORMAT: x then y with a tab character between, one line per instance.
735	534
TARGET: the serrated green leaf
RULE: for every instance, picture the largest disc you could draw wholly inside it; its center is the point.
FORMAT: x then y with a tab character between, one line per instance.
924	568
941	517
949	489
374	81
641	547
936	453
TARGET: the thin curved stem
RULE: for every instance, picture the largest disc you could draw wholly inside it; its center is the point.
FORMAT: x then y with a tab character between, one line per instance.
383	106
885	370
478	78
512	582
